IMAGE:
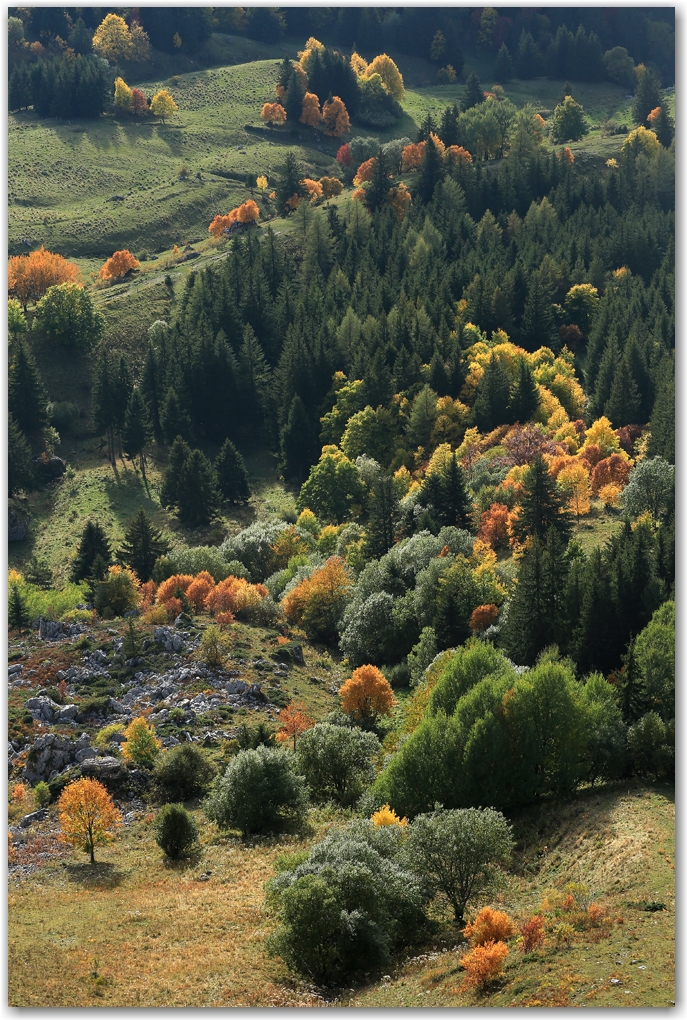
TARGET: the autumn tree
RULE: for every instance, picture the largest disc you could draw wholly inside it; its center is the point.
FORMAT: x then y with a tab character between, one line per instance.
273	113
574	482
162	105
118	265
139	103
112	39
318	602
141	746
335	118
411	157
29	276
123	95
367	695
331	187
88	816
388	71
294	721
494	526
311	110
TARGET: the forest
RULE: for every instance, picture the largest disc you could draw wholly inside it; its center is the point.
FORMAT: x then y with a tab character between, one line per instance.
402	416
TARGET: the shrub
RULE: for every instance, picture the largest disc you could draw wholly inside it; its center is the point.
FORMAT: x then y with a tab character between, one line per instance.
489	926
458	852
175	831
337	761
104	736
199	589
483	964
41	794
651	749
183	772
387	816
141	745
422	654
259	791
214	647
118	593
532	933
169	587
318	601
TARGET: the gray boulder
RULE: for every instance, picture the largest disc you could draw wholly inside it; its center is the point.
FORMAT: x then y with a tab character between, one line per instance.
35	816
14	670
106	768
66	714
85	754
42	709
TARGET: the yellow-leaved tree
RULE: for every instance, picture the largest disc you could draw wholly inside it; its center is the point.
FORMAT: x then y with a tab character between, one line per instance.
387	70
162	105
88	816
112	39
141	745
122	94
367	694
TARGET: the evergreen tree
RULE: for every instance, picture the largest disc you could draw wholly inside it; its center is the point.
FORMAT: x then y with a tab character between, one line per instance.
178	455
94	543
18	610
630	686
121	393
647	95
624	402
378	387
538	326
439	378
288	182
505	68
541	506
432	170
254	374
662	441
137	430
103	403
426	128
150	386
142	545
174	421
592	643
197	495
293	100
663	126
448	130
232	477
452	503
524	395
474	93
529	59
380	531
378	188
491	407
537	609
19	469
27	399
297	442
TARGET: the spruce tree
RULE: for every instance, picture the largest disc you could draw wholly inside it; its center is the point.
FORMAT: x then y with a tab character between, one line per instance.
142	545
137	429
380	531
426	128
663	126
439	378
232	477
592	643
505	68
94	543
537	609
297	442
453	506
624	402
174	421
448	129
491	407
19	468
662	441
538	327
378	188
197	495
528	61
122	389
474	93
27	399
293	100
103	403
178	455
432	170
18	611
541	506
150	390
647	95
288	182
524	395
630	686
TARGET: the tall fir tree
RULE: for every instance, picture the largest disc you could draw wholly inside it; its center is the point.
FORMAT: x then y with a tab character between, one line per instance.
662	440
27	399
537	609
197	496
94	543
380	531
103	403
137	429
178	455
624	402
151	391
19	469
432	170
524	395
18	610
504	69
592	641
492	400
143	544
474	93
541	506
288	181
538	326
232	477
378	189
174	420
298	442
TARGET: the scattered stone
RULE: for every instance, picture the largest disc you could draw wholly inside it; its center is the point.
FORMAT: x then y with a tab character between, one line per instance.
35	816
87	752
15	669
42	709
66	714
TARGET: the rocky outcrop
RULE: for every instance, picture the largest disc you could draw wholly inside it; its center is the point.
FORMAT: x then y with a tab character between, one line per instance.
51	754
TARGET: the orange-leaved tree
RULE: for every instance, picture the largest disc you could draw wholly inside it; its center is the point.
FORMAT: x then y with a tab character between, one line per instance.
411	157
310	113
367	694
331	187
199	589
318	602
364	172
118	265
87	814
494	526
483	617
29	276
313	188
489	926
141	745
483	964
399	200
532	933
246	213
273	113
613	470
458	154
294	721
335	117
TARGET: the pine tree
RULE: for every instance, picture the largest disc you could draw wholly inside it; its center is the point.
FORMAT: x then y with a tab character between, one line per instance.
541	506
529	59
426	128
624	402
439	378
524	395
537	609
647	95
662	441
142	545
197	495
289	182
18	611
293	100
378	387
150	386
630	686
432	170
378	188
103	403
663	126
27	399
137	429
380	532
19	469
178	455
297	442
94	543
254	374
123	386
448	130
474	93
505	68
592	643
453	503
174	421
232	477
491	407
538	327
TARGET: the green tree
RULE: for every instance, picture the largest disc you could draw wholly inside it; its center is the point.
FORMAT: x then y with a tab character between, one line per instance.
655	653
174	421
150	385
176	832
94	544
474	93
67	314
337	760
492	398
197	496
16	320
332	489
663	126
178	455
289	180
103	403
422	417
536	615
259	791
142	545
297	441
380	532
459	853
651	489
378	188
183	772
624	402
528	61
27	399
524	395
662	441
538	327
19	469
504	69
137	430
568	123
18	611
432	170
541	506
232	477
647	95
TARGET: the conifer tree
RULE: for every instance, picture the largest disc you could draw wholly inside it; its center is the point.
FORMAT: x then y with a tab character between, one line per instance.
19	471
541	506
254	373
647	95
491	407
197	495
378	189
432	170
232	477
524	395
383	517
178	455
538	327
103	403
137	430
293	100
27	399
123	386
439	378
298	442
592	644
174	421
94	543
289	181
426	128
18	611
142	545
448	129
630	686
537	609
474	93
663	125
624	402
150	386
662	441
504	69
453	506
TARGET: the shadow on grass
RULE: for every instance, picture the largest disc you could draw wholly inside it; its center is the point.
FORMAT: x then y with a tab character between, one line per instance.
95	876
185	863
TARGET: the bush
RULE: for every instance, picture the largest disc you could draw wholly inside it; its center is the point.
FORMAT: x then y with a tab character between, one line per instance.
345	908
183	772
532	933
41	794
489	926
337	761
483	964
458	852
118	593
175	831
259	791
651	744
104	736
214	647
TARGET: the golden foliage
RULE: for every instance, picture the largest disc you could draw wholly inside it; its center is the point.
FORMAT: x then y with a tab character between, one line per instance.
141	745
29	276
88	816
387	70
367	694
458	154
399	199
574	481
234	596
122	94
489	926
532	933
319	597
313	188
294	721
162	105
335	118
364	172
331	187
118	265
273	113
310	113
167	589
247	212
387	816
483	964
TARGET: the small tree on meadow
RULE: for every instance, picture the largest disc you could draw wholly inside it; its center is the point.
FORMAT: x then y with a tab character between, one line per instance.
141	746
118	265
143	544
259	791
176	832
88	817
367	695
294	721
162	105
337	760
